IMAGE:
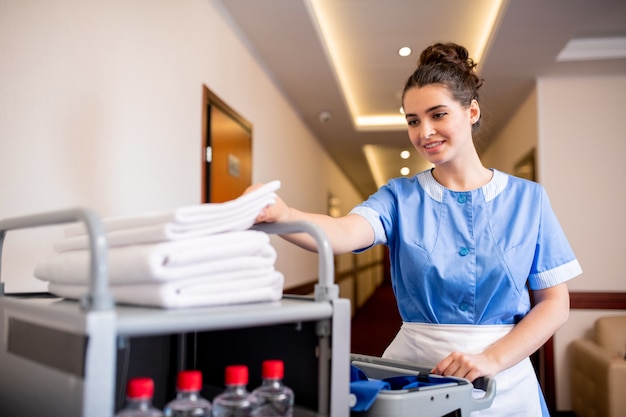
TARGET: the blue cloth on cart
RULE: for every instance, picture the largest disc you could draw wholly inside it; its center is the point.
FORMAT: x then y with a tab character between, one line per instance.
363	389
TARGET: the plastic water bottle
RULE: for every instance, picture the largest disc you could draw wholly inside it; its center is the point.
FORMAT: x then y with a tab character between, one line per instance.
236	400
188	402
139	392
274	397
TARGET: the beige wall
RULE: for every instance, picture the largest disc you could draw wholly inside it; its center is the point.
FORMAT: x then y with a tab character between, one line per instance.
100	106
582	141
518	137
578	128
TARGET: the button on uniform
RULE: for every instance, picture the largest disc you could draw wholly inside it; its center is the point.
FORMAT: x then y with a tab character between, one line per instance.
464	251
462	199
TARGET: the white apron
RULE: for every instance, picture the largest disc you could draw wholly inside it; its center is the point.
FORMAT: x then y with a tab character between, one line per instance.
517	389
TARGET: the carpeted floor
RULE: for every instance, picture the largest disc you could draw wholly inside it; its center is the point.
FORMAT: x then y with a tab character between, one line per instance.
376	323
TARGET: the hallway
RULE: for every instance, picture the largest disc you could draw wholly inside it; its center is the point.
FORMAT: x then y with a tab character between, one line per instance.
376	323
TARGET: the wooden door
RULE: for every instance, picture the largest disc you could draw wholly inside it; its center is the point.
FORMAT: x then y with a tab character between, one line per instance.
226	151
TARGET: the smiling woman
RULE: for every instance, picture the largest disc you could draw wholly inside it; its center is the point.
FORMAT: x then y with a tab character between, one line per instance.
467	245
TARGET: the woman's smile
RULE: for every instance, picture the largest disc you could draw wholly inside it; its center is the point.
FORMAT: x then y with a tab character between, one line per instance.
433	147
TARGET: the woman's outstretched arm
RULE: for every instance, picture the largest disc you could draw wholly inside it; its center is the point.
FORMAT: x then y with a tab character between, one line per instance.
345	234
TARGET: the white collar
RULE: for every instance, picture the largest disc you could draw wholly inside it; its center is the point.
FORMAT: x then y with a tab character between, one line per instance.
435	190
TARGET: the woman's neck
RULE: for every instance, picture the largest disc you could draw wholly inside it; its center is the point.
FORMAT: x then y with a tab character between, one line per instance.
462	178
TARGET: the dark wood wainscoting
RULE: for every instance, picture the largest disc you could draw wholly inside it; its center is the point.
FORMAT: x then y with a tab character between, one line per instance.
598	300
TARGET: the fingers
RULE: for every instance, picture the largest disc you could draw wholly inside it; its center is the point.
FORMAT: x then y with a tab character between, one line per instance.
269	214
460	365
273	213
261	217
266	215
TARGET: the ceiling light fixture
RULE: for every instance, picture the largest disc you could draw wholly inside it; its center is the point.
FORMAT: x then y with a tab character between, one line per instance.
405	171
587	49
405	51
389	122
405	154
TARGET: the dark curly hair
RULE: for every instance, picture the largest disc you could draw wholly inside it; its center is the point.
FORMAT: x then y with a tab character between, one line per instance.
448	64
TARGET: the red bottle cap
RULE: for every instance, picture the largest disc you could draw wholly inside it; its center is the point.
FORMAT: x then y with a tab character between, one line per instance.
237	375
140	388
189	381
273	369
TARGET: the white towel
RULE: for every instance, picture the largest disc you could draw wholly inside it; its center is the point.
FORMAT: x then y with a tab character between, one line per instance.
182	223
188	293
236	253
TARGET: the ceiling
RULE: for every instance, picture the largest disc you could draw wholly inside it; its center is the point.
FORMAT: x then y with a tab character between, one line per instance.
337	62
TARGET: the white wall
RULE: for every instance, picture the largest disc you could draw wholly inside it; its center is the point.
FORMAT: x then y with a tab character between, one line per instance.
582	142
518	137
578	128
100	106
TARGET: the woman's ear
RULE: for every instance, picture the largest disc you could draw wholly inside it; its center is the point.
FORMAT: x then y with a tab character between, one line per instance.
474	109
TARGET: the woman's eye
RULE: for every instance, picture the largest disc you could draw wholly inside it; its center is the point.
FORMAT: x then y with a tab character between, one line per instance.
412	122
438	115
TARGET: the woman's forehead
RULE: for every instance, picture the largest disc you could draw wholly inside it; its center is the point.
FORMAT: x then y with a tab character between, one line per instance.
426	97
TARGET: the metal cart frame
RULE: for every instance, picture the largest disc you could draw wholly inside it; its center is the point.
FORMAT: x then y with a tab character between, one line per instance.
59	355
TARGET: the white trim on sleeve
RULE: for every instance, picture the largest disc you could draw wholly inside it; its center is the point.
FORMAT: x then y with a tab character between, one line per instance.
373	218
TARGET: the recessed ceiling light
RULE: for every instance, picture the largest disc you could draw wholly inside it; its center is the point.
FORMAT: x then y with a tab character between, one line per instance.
405	51
405	170
405	154
587	49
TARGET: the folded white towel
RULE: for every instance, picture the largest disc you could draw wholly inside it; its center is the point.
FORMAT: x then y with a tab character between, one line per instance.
182	223
159	233
209	256
188	293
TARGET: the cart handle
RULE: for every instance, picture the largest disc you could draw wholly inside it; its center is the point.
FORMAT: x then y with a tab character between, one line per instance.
487	384
99	297
325	289
484	383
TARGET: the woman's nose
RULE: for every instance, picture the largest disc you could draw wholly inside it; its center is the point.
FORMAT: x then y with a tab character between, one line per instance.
426	131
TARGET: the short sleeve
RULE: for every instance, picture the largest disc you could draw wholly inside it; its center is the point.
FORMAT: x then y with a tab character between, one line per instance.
373	218
554	261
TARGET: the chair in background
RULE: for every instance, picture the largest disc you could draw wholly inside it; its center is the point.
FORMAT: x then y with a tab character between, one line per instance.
598	366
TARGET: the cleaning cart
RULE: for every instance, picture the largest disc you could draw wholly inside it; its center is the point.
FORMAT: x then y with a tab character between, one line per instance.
60	357
413	391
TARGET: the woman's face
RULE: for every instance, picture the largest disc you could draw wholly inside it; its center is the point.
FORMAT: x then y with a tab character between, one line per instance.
439	127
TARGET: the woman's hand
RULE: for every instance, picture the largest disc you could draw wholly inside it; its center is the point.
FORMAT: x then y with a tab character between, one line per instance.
465	365
272	213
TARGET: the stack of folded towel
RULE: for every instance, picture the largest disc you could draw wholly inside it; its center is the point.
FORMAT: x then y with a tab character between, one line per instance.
202	255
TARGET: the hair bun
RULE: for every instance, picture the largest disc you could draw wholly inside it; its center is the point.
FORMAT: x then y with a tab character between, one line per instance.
447	53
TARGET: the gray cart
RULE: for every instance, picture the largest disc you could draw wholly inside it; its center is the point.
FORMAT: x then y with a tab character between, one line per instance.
439	396
65	358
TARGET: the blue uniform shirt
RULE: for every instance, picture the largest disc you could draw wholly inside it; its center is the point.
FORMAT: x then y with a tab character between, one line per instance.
468	257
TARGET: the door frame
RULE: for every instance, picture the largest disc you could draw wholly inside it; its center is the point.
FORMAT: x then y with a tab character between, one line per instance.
209	98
